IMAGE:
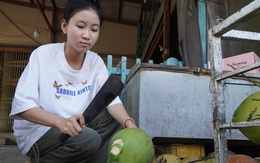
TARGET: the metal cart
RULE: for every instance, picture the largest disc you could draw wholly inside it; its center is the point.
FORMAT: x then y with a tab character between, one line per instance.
224	30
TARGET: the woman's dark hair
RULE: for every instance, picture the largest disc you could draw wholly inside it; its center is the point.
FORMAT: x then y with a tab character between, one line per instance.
74	6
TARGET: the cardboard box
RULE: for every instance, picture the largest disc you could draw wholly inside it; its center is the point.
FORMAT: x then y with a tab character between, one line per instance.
181	150
239	61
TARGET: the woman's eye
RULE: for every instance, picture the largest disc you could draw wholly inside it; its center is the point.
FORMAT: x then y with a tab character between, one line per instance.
94	30
79	26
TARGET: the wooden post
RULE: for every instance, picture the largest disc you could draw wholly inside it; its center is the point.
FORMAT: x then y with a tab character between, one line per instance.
166	31
54	19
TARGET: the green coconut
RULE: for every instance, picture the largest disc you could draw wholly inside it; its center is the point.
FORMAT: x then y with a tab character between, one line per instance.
131	145
249	111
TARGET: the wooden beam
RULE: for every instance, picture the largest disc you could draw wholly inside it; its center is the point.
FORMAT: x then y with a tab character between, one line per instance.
25	4
153	31
54	13
155	42
166	31
173	6
119	16
32	2
44	15
130	56
15	50
133	1
43	4
121	21
54	4
1	72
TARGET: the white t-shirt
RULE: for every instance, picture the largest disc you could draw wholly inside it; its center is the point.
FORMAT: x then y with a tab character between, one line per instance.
50	83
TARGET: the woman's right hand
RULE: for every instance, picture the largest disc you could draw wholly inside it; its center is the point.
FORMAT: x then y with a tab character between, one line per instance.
72	125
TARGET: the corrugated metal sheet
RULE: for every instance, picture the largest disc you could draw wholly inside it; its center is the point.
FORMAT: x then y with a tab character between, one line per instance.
119	10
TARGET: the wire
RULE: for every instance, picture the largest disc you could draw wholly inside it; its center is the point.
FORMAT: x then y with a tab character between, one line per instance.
37	20
8	75
17	26
40	31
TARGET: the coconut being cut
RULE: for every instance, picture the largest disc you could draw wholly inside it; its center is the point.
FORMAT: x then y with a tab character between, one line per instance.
131	145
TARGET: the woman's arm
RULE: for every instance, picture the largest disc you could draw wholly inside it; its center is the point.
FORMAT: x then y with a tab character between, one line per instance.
66	125
118	112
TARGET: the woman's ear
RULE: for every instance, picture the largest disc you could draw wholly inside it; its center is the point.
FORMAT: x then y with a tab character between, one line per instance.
63	26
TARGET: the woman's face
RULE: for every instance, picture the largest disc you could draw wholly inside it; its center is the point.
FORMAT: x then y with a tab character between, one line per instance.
82	30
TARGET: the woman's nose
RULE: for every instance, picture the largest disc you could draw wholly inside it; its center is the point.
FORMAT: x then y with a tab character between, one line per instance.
86	34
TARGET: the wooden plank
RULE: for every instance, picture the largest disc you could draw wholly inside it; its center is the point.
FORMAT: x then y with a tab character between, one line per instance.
54	19
166	31
155	42
153	31
173	6
130	56
26	4
17	50
186	150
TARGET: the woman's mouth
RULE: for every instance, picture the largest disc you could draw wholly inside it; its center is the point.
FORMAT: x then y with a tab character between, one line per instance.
85	44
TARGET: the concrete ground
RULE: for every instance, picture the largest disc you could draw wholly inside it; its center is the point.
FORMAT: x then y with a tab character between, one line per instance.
11	154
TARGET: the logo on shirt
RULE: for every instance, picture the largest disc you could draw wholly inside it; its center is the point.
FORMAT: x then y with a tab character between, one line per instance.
55	85
66	91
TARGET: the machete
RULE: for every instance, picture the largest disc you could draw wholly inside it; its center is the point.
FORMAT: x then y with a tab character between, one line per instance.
107	93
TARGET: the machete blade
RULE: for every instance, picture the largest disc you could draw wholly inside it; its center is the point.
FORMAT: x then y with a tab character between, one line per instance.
107	93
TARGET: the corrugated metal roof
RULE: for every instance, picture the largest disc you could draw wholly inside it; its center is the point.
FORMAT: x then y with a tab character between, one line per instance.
122	11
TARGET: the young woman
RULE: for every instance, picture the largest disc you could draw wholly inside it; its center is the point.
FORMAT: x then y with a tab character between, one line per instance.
55	88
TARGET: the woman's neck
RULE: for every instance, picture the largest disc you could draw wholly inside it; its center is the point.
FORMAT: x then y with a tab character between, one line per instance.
74	58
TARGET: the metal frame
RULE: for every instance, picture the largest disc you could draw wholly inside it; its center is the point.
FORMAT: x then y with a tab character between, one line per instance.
121	69
224	30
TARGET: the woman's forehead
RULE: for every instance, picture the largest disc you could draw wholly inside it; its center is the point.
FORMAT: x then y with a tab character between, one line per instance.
86	16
